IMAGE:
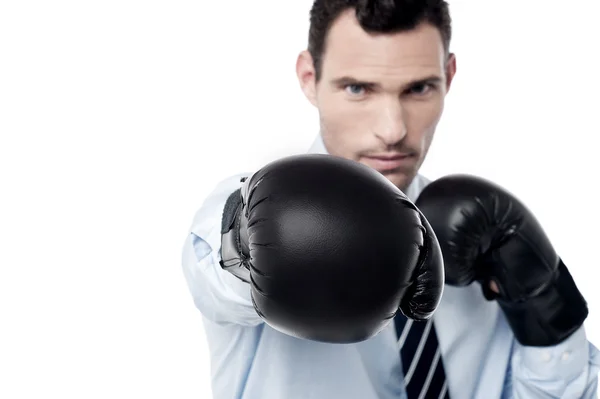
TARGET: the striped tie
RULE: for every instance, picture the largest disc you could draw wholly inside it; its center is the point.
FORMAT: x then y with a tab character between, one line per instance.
424	375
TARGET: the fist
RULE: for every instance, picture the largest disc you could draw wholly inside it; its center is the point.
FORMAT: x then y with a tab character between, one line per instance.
488	235
331	249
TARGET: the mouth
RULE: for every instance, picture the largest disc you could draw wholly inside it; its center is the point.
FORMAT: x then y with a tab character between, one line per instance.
388	162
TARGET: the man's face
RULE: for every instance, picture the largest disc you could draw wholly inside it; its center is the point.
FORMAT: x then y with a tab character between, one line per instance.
380	97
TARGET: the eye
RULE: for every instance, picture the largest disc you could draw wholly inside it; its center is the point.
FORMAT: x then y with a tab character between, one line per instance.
421	89
355	89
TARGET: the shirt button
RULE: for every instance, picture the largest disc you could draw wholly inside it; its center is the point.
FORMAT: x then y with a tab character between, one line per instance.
565	356
546	356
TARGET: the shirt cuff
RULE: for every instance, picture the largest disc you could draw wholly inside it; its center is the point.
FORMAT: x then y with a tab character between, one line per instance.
559	361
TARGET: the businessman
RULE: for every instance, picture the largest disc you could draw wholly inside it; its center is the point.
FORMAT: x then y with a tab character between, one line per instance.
279	289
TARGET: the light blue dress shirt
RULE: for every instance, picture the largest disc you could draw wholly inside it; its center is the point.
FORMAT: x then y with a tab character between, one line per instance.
251	360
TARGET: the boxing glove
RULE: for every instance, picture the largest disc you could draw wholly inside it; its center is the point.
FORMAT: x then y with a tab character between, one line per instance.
331	249
488	235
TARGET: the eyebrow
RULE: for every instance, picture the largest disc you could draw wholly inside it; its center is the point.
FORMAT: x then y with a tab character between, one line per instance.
348	80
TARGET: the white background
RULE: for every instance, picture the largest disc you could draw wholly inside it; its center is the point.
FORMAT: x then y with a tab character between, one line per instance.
118	117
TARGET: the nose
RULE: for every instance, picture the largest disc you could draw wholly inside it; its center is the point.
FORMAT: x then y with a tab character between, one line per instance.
391	126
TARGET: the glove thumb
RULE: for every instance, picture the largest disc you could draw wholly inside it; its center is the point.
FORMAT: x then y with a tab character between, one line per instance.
424	295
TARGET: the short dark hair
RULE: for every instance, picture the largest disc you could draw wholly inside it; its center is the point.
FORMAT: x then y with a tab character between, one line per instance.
381	16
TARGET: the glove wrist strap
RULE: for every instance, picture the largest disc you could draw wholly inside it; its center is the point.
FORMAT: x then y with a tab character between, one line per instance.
234	252
550	317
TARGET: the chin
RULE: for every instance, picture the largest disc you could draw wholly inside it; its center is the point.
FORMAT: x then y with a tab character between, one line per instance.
400	179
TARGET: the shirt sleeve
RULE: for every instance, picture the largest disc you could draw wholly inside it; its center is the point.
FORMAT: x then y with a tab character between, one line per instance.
219	295
567	370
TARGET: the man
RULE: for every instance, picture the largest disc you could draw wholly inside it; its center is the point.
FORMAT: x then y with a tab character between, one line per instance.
378	73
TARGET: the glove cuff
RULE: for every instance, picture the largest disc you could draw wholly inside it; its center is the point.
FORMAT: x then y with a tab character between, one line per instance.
234	252
550	317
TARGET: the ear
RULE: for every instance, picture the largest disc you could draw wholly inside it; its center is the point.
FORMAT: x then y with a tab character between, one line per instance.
450	70
305	71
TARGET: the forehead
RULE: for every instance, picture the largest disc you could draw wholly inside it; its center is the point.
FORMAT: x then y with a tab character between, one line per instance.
404	55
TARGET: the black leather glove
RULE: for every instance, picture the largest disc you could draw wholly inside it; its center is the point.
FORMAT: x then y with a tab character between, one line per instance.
330	248
486	234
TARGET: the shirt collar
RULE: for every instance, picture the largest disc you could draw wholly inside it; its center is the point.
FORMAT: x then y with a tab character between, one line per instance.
318	147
